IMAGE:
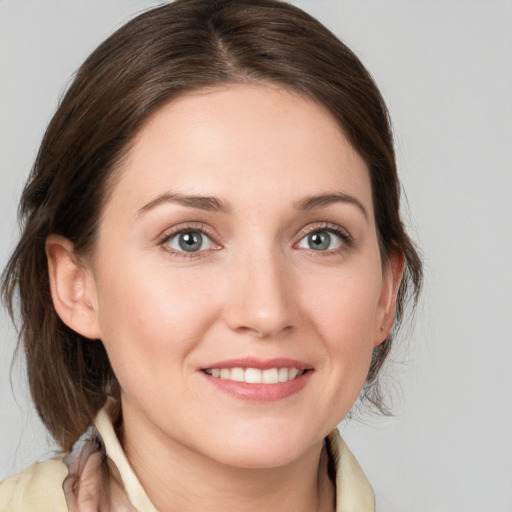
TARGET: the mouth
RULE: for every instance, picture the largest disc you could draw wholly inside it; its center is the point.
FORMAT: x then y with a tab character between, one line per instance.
256	375
259	380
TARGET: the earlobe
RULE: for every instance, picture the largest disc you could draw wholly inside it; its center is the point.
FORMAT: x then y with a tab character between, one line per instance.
391	279
72	288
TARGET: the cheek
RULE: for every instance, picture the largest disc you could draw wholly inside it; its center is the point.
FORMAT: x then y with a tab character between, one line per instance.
348	305
345	316
147	315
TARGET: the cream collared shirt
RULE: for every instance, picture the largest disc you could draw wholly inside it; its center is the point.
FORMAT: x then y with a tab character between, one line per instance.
40	487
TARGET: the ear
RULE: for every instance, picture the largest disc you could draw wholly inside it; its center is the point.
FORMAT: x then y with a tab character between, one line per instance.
391	278
72	287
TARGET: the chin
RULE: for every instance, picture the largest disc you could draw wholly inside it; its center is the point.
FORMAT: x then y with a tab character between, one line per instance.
256	449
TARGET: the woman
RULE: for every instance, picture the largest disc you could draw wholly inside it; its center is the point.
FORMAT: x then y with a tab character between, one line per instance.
211	265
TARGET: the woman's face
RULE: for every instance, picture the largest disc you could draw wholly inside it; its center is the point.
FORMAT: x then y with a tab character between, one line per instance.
237	282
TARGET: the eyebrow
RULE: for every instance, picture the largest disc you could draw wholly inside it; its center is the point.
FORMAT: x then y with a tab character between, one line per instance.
216	205
201	202
323	200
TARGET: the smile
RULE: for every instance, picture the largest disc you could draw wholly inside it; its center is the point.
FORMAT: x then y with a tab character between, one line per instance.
255	375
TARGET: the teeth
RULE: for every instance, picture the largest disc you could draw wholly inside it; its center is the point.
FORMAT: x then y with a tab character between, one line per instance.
237	374
255	375
270	376
293	373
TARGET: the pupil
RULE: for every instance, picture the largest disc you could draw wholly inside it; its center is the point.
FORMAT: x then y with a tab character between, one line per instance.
319	241
190	241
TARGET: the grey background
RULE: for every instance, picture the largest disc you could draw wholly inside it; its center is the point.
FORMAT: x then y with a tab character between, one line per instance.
445	70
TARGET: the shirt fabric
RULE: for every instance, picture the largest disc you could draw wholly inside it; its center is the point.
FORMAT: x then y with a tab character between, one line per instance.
80	482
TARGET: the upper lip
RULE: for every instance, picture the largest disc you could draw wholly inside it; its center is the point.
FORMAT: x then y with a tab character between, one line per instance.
261	364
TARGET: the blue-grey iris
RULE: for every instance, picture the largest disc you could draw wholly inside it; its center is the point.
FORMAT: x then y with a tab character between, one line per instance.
190	241
319	241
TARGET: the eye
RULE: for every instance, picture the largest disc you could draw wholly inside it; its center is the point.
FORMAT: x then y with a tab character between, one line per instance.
322	240
189	241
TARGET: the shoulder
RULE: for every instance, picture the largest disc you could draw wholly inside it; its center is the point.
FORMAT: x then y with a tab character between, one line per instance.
36	489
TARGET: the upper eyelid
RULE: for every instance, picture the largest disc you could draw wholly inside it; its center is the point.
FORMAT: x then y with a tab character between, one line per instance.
323	226
183	228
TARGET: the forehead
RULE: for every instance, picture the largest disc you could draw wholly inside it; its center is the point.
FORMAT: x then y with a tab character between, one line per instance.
241	141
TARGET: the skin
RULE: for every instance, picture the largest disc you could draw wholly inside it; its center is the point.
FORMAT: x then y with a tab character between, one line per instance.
257	288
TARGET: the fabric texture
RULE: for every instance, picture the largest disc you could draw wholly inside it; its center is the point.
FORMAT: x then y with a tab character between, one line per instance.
96	476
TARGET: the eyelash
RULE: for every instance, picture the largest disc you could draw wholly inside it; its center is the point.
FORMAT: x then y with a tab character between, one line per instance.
347	241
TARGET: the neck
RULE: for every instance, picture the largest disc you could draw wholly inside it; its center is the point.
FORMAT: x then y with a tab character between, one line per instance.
178	478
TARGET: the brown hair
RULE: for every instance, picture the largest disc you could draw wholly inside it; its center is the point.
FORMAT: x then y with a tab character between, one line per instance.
178	47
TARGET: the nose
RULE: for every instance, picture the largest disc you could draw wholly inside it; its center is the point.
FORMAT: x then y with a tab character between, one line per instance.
262	300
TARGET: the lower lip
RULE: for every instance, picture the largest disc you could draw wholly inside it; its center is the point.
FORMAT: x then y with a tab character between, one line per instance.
260	392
